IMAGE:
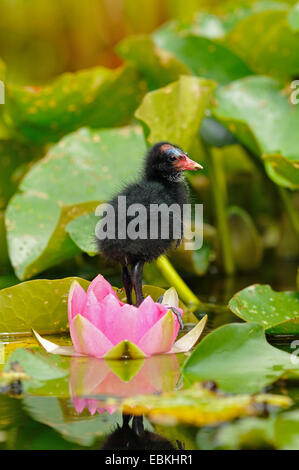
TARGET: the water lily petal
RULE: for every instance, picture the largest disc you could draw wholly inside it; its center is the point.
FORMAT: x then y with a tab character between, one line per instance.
87	339
150	313
160	338
93	310
120	322
101	288
76	300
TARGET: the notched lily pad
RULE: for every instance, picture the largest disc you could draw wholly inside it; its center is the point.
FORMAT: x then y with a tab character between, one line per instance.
238	358
276	312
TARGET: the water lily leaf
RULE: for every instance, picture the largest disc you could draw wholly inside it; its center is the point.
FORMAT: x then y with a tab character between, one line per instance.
247	245
158	66
238	358
39	304
253	109
275	50
293	18
96	97
36	365
82	232
95	163
276	312
203	56
198	406
185	101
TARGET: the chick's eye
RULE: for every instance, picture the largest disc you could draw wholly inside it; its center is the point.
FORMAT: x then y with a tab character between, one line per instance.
172	158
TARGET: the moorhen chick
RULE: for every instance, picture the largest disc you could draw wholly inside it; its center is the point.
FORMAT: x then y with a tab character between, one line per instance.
162	182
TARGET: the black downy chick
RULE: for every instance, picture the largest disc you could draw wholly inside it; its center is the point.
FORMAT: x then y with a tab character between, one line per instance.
162	182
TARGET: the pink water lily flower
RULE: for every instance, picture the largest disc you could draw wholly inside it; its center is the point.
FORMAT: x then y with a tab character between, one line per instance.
103	326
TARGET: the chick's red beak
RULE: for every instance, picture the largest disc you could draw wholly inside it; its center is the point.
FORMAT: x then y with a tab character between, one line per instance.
185	163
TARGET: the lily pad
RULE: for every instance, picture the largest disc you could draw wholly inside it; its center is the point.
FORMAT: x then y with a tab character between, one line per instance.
238	358
275	50
36	365
276	312
253	109
203	56
82	232
185	102
39	304
84	169
97	97
198	406
158	66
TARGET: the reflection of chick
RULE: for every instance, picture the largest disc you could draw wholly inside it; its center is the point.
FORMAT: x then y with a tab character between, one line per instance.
135	437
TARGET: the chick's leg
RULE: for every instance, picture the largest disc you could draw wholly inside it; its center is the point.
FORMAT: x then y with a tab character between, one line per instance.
127	283
136	277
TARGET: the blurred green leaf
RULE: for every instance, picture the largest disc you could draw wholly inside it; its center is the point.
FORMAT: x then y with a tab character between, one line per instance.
158	66
174	112
293	18
203	56
36	365
247	244
40	304
85	168
247	433
57	414
96	97
276	312
4	258
82	232
267	43
257	111
238	358
287	430
197	406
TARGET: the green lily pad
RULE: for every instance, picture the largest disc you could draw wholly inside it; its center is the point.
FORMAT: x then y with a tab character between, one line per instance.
94	163
253	109
36	365
293	18
185	102
247	246
203	56
238	358
287	430
97	97
275	50
198	406
158	66
40	304
276	312
82	232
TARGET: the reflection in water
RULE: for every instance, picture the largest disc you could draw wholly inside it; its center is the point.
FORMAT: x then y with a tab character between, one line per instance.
92	380
135	437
